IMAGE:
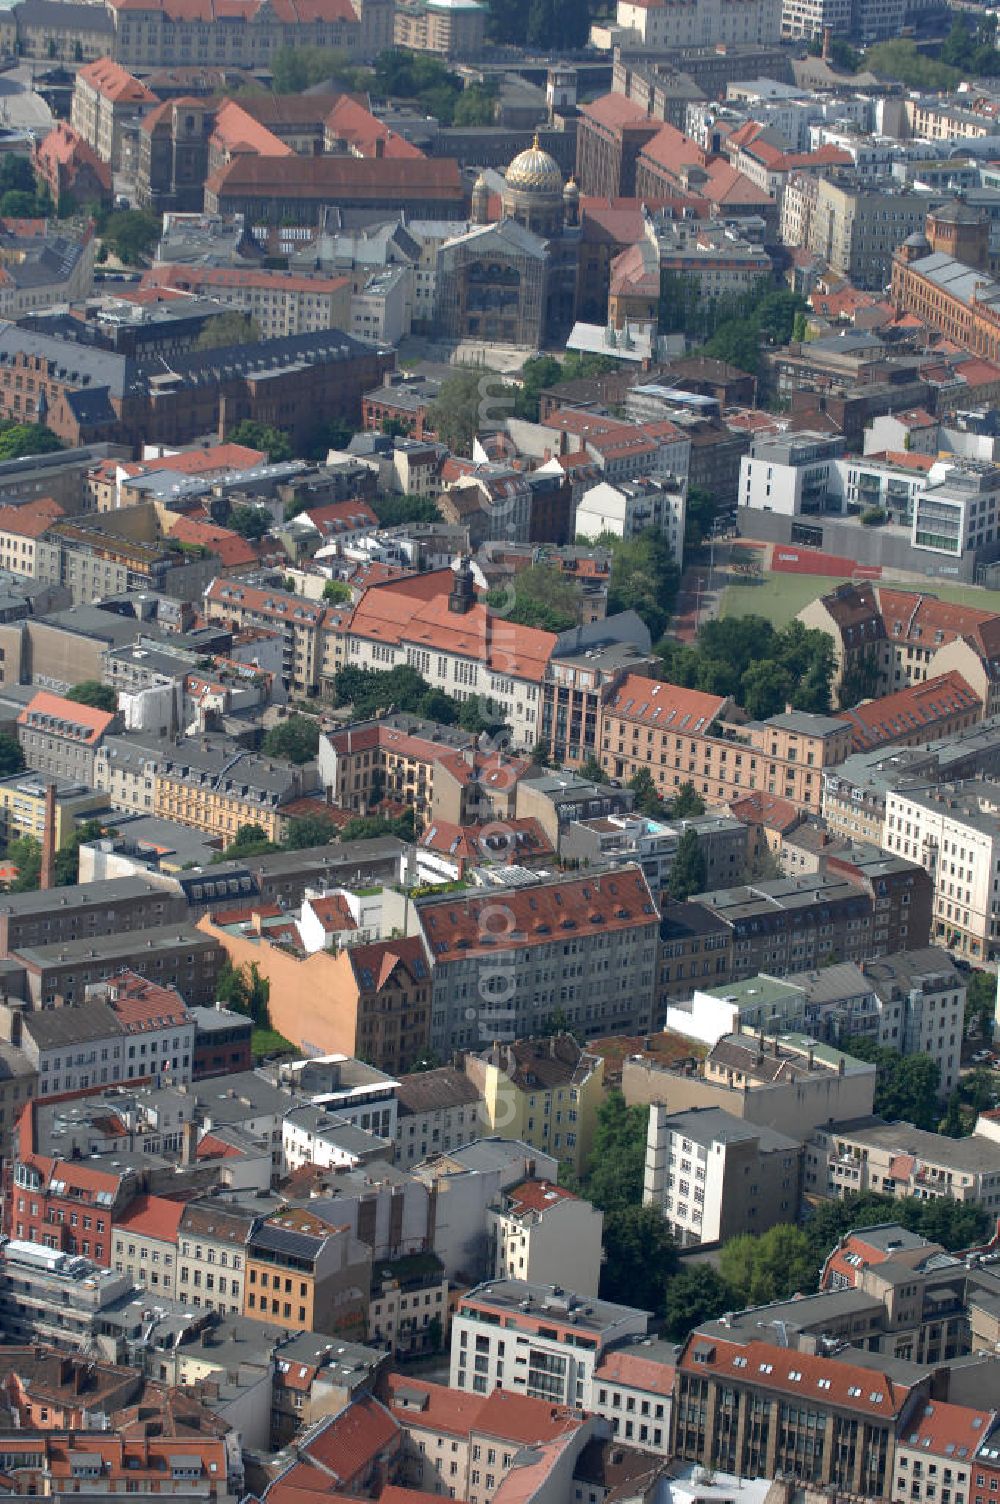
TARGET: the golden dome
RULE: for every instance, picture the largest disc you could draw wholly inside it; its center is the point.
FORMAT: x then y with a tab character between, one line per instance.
534	171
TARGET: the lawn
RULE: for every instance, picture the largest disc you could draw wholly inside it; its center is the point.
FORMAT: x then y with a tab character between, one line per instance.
780	597
270	1042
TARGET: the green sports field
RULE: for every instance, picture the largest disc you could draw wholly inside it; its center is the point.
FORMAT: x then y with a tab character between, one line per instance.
780	597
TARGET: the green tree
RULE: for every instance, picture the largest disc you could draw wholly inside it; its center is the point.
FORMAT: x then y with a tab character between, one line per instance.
907	1087
131	234
396	511
296	739
688	873
227	330
26	854
902	61
326	434
618	1154
454	415
249	521
639	1257
686	803
539	372
244	990
274	442
980	1003
11	756
337	593
308	830
295	69
765	689
644	579
95	694
695	1294
774	1266
476	105
543	597
647	800
19	440
368	827
591	769
250	840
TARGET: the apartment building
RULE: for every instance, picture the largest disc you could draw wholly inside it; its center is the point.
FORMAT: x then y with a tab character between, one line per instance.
20	528
756	1409
298	621
585	946
145	1244
688	24
953	831
633	1390
108	103
301	1272
541	1341
940	1452
680	736
446	29
409	1305
856	227
176	955
780	1080
887	638
211	1255
927	992
204	783
382	989
400	757
912	717
23	801
785	925
896	1159
629	507
279	302
61	737
543	1234
438	1110
165	35
714	1176
108	908
545	1092
435	622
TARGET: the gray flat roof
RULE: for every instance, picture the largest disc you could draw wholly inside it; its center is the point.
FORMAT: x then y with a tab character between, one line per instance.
708	1125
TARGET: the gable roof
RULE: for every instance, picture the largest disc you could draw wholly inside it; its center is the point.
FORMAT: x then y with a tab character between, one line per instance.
920	707
80	723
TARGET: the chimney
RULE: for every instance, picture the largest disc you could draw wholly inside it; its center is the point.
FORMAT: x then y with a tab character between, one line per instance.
379	147
827	35
48	872
188	1132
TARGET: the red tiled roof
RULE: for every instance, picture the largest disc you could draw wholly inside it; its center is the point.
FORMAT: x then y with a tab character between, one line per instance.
351	177
333	913
809	1378
614	110
440	1408
349	1441
351	123
235	130
415	610
341	516
115	82
633	1371
45	705
537	1196
152	1217
192	278
463	926
32	519
231	548
373	965
667	707
66	151
518	1417
943	1430
766	809
924	708
142	1006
